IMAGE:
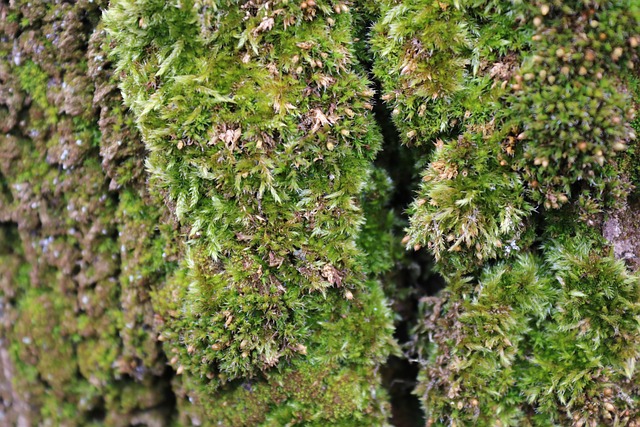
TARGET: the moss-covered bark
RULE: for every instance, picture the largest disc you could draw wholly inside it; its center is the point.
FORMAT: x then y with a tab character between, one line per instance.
196	233
256	116
276	307
531	111
82	248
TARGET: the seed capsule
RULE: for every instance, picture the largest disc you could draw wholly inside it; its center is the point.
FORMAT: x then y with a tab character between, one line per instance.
617	53
619	146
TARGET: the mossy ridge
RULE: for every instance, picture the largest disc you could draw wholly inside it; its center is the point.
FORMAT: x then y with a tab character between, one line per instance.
70	308
458	213
331	384
488	146
434	76
260	137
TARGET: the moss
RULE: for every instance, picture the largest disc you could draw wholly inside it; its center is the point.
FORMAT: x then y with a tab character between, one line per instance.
253	248
67	302
534	336
576	65
480	331
630	162
529	109
444	73
379	246
330	385
258	126
33	80
469	209
437	63
590	345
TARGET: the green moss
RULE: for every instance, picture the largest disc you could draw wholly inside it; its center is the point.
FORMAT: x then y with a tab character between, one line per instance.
547	336
329	385
258	124
591	342
567	107
34	81
527	105
630	162
444	72
260	276
380	248
469	209
437	62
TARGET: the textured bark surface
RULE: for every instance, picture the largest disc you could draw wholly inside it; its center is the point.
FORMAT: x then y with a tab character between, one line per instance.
81	250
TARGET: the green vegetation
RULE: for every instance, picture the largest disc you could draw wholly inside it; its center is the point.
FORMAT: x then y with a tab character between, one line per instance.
528	105
196	227
258	126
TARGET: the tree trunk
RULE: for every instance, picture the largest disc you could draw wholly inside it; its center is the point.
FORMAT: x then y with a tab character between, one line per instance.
203	205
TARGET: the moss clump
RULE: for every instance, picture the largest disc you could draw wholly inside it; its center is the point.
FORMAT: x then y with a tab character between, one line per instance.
257	120
590	342
439	63
534	342
527	114
444	73
478	351
569	106
469	208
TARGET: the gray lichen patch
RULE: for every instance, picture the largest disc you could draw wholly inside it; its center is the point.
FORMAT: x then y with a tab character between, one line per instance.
622	230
